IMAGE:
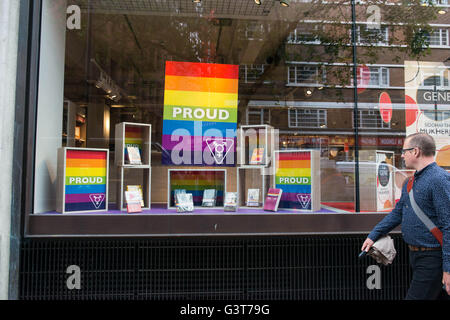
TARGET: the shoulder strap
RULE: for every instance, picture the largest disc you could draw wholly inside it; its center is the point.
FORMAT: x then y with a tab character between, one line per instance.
422	216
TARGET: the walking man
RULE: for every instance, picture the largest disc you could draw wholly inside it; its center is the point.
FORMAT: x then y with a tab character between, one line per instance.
431	192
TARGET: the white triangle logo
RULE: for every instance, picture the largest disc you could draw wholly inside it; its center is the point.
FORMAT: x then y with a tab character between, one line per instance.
304	199
97	199
219	148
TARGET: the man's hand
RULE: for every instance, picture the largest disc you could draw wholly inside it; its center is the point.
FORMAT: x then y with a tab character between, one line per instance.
446	281
368	244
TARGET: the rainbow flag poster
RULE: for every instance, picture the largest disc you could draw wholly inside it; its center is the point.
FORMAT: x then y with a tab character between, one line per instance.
297	173
196	181
83	180
200	114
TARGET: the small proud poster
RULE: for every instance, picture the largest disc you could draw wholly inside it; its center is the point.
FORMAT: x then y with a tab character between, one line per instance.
85	176
295	174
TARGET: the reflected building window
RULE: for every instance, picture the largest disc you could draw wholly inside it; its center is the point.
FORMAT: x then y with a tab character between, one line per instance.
438	38
250	73
304	34
430	80
306	74
372	36
307	118
371	119
256	116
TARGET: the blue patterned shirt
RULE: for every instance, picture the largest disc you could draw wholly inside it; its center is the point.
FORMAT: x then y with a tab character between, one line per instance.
432	194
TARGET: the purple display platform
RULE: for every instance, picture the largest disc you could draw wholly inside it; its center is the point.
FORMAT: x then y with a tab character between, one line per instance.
162	209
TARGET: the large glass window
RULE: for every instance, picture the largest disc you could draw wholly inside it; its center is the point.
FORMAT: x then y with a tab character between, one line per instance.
198	86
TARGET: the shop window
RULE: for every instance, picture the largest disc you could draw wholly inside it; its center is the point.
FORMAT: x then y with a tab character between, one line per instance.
371	119
306	74
307	118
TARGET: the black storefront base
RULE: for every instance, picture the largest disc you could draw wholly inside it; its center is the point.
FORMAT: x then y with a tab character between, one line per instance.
323	267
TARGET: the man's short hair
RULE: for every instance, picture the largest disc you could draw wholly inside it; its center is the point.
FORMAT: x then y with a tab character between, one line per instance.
424	142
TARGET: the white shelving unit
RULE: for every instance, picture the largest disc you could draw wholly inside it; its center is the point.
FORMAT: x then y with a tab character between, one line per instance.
254	174
139	135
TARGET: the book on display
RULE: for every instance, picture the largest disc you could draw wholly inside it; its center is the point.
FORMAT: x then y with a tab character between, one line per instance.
253	198
184	202
230	203
134	155
257	156
137	188
133	200
272	199
209	198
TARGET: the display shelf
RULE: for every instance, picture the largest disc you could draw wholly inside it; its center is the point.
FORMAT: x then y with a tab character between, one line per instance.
195	181
297	173
253	137
252	177
136	135
133	134
134	176
82	180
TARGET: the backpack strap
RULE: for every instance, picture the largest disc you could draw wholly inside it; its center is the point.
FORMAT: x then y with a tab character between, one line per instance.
421	215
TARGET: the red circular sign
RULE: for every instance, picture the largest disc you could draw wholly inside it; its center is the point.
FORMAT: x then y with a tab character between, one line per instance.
385	106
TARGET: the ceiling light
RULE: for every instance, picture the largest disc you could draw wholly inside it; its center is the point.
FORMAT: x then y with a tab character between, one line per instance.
284	3
258	2
308	92
442	11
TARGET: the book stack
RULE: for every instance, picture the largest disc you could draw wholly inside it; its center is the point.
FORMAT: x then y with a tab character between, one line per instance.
209	198
272	199
230	203
253	198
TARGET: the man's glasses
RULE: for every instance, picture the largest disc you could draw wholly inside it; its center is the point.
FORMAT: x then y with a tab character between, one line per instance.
408	149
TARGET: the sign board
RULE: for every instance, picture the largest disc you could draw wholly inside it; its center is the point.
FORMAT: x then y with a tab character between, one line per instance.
427	104
385	180
200	113
297	174
82	180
